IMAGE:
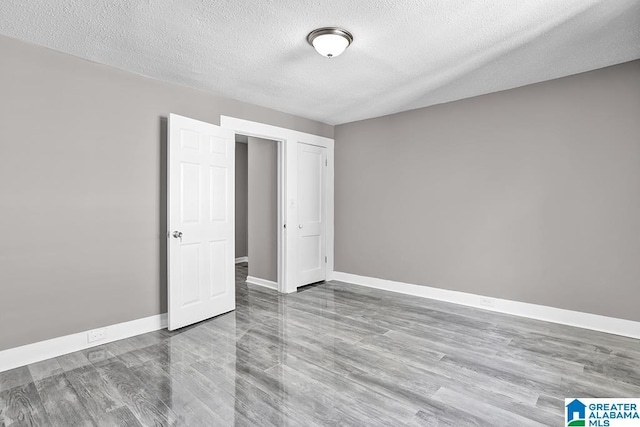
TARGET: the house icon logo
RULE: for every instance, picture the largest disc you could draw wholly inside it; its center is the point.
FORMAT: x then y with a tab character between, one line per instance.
576	413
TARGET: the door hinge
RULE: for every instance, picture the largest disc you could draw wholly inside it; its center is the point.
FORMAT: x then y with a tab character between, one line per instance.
325	260
326	162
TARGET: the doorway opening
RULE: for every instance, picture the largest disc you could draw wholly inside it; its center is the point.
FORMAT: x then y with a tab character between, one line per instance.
257	196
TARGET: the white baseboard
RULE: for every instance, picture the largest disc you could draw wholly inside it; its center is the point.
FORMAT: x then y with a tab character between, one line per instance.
242	259
596	322
36	352
262	282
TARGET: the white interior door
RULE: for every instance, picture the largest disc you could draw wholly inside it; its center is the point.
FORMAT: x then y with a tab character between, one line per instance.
312	172
201	221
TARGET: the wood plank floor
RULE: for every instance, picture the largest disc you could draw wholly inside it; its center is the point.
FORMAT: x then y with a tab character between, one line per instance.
332	354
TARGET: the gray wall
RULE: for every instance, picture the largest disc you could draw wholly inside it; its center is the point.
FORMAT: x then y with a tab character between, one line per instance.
531	194
241	200
82	172
263	208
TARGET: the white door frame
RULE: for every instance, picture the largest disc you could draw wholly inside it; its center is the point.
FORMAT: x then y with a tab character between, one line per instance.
287	193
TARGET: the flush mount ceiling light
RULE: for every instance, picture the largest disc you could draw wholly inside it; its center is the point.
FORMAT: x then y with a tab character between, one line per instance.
330	41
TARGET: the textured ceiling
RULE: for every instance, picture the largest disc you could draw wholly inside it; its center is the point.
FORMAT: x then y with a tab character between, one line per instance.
406	54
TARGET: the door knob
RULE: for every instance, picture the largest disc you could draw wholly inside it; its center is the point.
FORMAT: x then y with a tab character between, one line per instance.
299	225
177	235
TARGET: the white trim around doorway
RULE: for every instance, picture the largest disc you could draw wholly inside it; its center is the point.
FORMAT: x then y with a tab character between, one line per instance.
287	192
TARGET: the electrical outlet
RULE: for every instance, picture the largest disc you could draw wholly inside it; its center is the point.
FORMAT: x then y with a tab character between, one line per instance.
486	302
96	335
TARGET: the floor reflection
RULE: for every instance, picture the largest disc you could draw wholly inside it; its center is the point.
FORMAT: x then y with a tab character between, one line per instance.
333	354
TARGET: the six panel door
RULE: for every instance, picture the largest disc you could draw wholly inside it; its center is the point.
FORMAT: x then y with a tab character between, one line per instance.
201	221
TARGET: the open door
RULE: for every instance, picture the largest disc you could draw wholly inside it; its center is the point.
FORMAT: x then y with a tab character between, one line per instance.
201	221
